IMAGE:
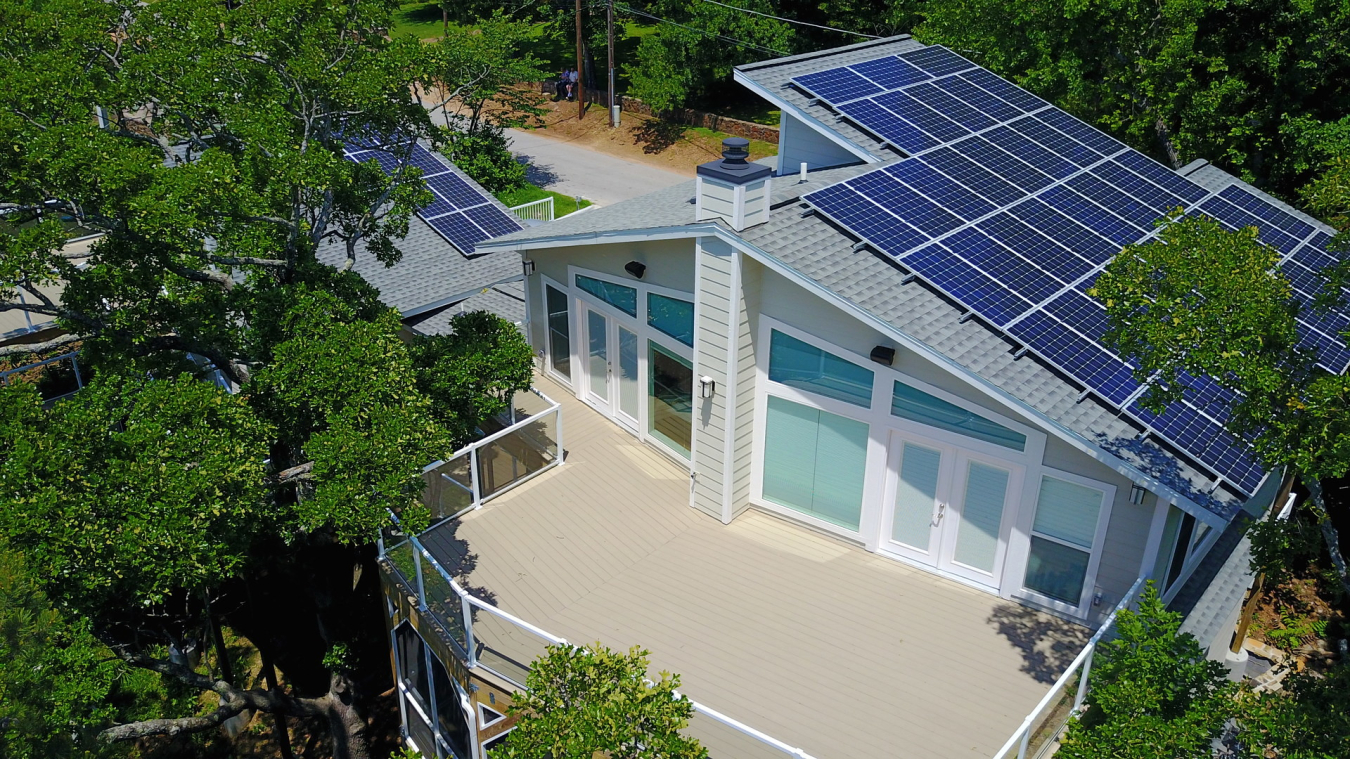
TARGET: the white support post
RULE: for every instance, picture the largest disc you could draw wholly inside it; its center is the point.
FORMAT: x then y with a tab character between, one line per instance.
417	564
473	473
1026	740
559	426
1083	679
467	610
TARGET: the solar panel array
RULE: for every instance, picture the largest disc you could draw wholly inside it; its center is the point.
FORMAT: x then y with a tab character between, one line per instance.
459	211
1012	207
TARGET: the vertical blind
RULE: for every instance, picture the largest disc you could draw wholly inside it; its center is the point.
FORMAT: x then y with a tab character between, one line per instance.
814	462
981	516
916	496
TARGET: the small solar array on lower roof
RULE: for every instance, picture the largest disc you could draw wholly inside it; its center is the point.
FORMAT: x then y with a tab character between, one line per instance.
1012	207
459	211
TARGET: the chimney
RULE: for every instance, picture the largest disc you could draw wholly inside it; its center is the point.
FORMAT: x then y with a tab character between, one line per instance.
733	189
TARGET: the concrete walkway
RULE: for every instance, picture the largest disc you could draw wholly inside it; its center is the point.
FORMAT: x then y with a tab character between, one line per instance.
571	169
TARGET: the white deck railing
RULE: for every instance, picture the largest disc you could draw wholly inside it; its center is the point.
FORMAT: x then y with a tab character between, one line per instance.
538	210
493	639
484	469
73	357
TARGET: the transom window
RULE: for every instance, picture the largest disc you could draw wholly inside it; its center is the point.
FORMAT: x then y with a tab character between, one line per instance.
803	366
917	406
619	296
671	316
1062	537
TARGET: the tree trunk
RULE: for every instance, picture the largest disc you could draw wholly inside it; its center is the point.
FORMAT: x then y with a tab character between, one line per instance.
1166	142
346	725
283	733
218	641
1329	532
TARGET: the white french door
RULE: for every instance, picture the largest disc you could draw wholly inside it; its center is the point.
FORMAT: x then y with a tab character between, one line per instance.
610	362
945	507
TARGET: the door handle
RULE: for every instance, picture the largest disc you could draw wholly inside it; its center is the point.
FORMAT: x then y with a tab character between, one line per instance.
942	510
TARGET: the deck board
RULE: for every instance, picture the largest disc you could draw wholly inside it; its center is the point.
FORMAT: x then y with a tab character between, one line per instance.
815	641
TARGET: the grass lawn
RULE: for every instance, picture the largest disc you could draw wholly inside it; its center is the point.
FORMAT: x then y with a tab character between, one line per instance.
562	204
757	147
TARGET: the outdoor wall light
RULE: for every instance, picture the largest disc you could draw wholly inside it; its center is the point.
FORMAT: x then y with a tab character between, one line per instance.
883	354
1137	494
529	267
706	387
636	268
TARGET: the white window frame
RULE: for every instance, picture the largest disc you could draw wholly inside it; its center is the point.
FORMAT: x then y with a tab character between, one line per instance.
637	325
1022	541
549	371
881	422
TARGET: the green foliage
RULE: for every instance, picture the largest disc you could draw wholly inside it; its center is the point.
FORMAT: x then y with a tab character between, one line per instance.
1308	719
1281	547
1153	693
677	65
471	374
580	702
128	470
58	684
562	204
486	156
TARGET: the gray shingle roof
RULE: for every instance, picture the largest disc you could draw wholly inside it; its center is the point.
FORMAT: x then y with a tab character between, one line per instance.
774	77
1213	592
506	301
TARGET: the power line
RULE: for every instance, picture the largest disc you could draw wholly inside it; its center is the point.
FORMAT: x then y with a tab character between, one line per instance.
793	21
724	38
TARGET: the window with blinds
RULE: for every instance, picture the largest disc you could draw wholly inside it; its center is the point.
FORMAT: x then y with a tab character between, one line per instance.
800	365
814	462
1062	537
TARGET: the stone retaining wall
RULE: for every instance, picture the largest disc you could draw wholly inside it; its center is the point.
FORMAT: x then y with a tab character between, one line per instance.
689	116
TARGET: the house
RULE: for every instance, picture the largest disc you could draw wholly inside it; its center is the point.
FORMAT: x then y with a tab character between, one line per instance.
842	443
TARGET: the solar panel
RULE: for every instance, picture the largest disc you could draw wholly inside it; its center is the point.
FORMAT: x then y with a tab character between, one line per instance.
981	100
388	162
1074	354
938	61
1238	218
1263	210
951	107
914	209
885	232
1085	314
837	85
978	249
1163	177
1025	149
1106	232
933	124
1081	132
492	220
459	230
1004	90
1313	256
888	126
1040	250
1146	192
1061	144
428	163
1002	164
966	284
973	176
943	190
890	73
455	191
1126	207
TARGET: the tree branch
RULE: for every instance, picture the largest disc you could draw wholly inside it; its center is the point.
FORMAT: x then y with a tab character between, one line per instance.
21	348
299	473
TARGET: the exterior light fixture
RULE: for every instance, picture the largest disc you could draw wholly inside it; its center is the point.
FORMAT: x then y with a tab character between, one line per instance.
706	387
1137	494
883	354
529	267
636	268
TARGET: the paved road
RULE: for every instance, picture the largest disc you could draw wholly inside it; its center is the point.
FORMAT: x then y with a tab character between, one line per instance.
598	177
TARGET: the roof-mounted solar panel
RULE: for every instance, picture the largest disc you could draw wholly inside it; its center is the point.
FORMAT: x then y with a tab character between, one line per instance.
889	73
889	127
951	106
933	124
943	190
837	85
981	100
938	61
1005	90
1056	141
965	283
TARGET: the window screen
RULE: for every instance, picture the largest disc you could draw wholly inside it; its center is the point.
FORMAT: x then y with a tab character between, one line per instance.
672	316
1061	539
806	367
814	462
917	406
618	296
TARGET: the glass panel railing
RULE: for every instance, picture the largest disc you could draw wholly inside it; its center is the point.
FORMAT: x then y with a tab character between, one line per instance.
726	742
518	454
445	605
449	487
1045	730
504	648
404	561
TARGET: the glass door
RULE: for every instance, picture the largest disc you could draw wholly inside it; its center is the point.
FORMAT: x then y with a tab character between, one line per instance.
916	495
971	545
598	370
629	388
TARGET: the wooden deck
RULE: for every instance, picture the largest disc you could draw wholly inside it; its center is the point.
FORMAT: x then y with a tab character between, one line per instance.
843	653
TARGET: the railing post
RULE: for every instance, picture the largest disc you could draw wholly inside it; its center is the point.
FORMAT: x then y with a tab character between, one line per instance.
473	474
417	564
467	610
1026	740
557	410
1083	679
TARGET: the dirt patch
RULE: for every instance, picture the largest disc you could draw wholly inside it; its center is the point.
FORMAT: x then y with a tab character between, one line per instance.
641	139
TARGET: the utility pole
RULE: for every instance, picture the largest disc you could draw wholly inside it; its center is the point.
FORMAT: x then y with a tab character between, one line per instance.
581	82
609	46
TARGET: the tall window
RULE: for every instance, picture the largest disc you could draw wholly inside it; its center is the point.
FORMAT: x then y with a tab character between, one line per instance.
803	366
1062	536
559	331
670	417
1182	533
814	462
917	406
